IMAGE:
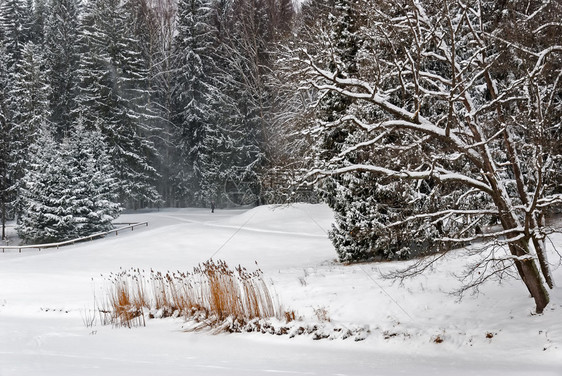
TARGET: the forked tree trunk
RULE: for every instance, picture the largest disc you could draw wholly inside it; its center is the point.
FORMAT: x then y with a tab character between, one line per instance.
525	262
530	274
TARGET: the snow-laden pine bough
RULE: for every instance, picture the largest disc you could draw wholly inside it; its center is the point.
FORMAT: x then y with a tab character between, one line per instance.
465	97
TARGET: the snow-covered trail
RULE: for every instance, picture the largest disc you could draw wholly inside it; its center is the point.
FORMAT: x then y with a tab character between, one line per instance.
46	297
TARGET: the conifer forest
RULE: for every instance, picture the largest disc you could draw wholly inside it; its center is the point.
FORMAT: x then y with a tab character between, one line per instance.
423	124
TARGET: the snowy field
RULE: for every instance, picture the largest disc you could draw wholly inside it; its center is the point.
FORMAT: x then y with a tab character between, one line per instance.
46	297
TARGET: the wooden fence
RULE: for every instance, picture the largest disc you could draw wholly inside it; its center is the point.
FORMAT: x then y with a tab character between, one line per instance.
72	241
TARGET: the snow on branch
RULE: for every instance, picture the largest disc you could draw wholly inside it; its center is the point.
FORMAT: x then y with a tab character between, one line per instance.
538	11
438	174
423	126
361	145
491	235
552	200
443	213
547	25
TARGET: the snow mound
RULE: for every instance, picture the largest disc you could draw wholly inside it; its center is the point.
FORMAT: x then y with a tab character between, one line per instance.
304	219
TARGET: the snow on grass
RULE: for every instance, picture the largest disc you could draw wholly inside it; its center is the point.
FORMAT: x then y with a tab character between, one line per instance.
47	298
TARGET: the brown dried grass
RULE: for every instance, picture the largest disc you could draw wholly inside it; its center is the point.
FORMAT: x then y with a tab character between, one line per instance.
212	291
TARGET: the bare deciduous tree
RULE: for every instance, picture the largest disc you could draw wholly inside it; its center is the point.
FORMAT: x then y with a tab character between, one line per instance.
474	87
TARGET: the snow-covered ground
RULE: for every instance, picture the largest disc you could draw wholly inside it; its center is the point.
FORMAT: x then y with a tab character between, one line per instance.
47	297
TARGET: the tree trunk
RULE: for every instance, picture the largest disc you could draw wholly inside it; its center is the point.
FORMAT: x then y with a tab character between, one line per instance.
540	249
3	221
525	262
530	274
541	253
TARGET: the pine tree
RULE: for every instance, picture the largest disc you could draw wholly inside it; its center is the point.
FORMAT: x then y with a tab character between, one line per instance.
45	195
28	108
152	23
194	113
62	33
38	15
15	21
6	182
92	186
114	90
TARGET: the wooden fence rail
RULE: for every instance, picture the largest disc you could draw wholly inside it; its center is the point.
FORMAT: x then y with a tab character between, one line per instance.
72	241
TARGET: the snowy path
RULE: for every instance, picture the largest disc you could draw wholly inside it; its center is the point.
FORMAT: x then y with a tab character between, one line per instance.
44	296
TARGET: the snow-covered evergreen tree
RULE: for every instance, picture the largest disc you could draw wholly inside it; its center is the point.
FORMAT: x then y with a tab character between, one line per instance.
45	197
68	190
248	30
39	13
6	164
194	114
114	90
29	109
223	107
152	23
364	203
349	195
15	17
92	185
62	33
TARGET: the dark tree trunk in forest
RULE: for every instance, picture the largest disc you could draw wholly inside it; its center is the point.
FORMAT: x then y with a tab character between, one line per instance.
3	221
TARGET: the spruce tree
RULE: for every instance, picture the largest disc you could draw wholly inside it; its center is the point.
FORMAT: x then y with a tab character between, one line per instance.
338	191
38	15
68	190
248	29
62	33
29	110
153	24
15	17
193	112
6	176
92	186
45	196
113	90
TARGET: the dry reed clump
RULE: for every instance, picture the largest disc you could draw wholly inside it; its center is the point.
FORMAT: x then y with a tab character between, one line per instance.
212	294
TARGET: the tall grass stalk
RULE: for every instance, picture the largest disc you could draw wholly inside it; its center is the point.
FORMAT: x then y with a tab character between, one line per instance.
212	291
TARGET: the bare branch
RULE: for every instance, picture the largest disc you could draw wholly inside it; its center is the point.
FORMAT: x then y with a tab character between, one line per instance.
438	174
442	214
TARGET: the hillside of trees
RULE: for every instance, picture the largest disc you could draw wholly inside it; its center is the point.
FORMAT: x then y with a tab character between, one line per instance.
113	104
421	124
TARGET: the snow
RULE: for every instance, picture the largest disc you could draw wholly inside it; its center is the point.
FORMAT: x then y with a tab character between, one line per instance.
46	297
